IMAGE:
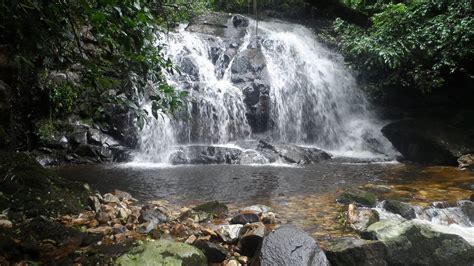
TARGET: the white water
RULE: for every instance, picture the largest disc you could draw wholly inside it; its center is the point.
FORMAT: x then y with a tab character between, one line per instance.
314	99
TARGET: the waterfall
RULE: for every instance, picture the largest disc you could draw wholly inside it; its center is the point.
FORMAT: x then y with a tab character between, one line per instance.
282	85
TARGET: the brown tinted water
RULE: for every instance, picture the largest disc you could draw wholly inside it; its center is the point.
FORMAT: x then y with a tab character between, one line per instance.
304	196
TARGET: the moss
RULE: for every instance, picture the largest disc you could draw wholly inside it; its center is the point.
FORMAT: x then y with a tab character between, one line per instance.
358	196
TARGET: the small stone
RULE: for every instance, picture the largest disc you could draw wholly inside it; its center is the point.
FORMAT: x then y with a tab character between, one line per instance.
190	240
155	234
251	237
208	231
150	214
229	232
257	208
109	198
232	263
7	224
93	223
245	217
122	195
119	229
269	218
102	230
243	259
94	203
103	217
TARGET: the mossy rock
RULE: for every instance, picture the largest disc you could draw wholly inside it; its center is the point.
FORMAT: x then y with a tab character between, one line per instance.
401	208
359	197
163	252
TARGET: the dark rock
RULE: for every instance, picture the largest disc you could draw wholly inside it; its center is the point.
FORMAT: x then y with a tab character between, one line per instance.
294	153
216	24
288	245
472	197
466	162
432	142
358	196
251	236
163	252
245	217
214	253
79	134
201	154
240	21
188	67
354	251
403	209
150	214
410	243
467	208
214	208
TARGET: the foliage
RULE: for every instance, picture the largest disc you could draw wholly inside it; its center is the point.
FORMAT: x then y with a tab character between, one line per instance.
423	43
112	45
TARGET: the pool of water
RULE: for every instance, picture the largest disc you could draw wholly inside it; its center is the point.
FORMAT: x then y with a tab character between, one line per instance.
304	196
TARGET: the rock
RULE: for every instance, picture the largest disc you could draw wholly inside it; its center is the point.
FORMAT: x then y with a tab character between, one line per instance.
232	263
217	24
403	209
101	230
79	134
202	154
214	208
259	209
109	198
471	198
240	21
411	243
245	217
251	237
426	141
102	216
229	233
163	252
122	195
466	162
362	218
288	245
296	154
214	252
467	208
268	218
5	224
151	214
354	251
358	196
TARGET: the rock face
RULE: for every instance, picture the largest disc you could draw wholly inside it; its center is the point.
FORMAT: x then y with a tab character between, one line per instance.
428	142
354	251
163	252
289	245
410	243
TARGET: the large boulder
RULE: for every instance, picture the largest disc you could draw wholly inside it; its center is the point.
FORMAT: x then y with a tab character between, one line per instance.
401	208
223	25
357	196
412	243
430	142
354	251
163	252
288	245
293	153
202	154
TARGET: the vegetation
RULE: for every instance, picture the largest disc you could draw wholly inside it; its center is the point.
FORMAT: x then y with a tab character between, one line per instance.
423	44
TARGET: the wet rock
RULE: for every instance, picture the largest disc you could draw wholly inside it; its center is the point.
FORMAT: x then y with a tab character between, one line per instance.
101	230
403	209
79	134
466	162
214	208
151	214
122	195
229	233
427	141
354	251
245	217
467	208
472	197
202	154
411	243
251	237
6	224
358	196
295	154
288	245
240	21
259	209
214	253
163	252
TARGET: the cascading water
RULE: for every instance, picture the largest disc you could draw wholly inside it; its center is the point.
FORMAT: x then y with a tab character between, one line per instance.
311	98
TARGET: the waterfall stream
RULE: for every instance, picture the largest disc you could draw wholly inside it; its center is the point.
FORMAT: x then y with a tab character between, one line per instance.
281	85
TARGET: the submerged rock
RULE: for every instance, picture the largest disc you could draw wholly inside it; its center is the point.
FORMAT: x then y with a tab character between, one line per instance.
354	251
288	245
358	196
163	252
